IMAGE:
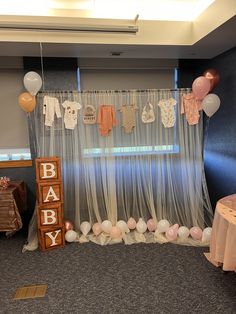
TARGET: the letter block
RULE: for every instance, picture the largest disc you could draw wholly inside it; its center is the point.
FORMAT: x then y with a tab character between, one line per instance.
50	215
50	238
49	192
50	199
48	169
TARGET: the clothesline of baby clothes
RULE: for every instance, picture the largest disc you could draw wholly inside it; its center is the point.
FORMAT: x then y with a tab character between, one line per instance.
106	115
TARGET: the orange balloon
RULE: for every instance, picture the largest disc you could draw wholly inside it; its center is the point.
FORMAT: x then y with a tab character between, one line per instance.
213	76
27	102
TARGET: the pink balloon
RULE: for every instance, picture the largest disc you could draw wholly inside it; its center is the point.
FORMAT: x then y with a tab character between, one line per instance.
115	232
201	87
151	224
196	233
175	227
131	223
171	234
97	228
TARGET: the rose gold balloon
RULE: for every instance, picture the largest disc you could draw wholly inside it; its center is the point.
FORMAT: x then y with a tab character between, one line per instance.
213	76
68	225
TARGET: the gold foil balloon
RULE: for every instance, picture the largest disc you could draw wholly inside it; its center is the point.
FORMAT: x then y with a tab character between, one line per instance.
27	102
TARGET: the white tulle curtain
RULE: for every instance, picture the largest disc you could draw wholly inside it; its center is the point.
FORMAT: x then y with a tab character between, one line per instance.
152	172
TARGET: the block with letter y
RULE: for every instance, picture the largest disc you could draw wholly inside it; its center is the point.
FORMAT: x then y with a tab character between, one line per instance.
50	238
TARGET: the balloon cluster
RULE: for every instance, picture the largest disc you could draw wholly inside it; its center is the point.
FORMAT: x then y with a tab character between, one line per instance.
172	232
116	231
32	83
202	86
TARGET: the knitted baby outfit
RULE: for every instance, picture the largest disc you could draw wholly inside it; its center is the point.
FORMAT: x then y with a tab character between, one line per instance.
190	105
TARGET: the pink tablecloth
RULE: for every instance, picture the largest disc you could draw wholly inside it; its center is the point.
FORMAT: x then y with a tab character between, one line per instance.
223	237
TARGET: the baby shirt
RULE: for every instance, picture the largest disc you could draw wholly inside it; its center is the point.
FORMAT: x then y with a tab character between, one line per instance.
128	117
70	116
167	112
106	119
190	105
50	108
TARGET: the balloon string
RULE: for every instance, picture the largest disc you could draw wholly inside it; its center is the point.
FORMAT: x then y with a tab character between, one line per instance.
41	58
206	131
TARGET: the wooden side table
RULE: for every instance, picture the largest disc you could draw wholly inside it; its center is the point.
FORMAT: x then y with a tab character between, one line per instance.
13	202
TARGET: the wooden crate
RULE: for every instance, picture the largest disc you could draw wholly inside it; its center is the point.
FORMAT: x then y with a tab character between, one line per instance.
48	169
51	238
50	215
50	192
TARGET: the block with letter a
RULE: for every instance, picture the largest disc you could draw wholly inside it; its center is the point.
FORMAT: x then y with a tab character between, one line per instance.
50	203
50	192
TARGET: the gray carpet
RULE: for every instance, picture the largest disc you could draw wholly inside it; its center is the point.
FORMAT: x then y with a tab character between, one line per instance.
88	278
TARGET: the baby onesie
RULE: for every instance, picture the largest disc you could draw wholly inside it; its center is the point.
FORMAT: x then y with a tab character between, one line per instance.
128	117
106	119
190	105
50	108
167	112
70	116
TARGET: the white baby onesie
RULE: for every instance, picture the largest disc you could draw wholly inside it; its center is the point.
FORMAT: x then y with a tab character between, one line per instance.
70	116
50	108
167	112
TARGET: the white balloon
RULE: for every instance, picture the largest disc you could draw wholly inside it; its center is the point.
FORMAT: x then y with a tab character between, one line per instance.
32	82
85	227
162	226
183	232
141	226
70	235
210	104
206	234
122	225
106	226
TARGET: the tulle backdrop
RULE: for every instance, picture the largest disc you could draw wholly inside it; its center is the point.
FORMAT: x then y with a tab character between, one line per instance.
153	172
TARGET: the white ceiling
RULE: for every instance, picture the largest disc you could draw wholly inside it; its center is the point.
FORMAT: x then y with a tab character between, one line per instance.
212	35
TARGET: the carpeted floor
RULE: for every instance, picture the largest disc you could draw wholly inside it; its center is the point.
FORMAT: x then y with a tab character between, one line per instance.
88	278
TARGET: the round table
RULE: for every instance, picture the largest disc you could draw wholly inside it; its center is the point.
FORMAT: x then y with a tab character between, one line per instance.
223	237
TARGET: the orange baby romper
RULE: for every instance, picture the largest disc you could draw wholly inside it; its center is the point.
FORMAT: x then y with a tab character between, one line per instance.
106	119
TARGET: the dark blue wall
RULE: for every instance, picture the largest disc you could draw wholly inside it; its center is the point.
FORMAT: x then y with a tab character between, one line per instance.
220	147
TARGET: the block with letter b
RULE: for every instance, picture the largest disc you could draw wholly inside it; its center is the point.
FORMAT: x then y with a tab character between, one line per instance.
48	169
50	215
49	192
50	238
